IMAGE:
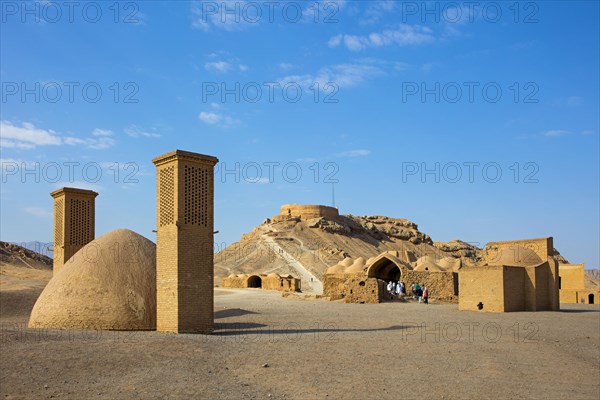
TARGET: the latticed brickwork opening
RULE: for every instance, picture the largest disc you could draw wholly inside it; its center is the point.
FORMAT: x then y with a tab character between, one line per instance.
196	197
80	219
166	196
58	222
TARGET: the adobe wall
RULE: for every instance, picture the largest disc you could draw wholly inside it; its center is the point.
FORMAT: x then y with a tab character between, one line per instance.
514	293
353	288
308	211
572	276
543	288
282	284
543	247
236	282
481	284
442	286
569	296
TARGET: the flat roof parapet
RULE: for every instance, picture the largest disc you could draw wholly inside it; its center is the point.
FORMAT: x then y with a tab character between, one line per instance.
185	155
70	190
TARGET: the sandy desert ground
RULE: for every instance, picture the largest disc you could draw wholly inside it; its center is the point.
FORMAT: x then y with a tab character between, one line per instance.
269	347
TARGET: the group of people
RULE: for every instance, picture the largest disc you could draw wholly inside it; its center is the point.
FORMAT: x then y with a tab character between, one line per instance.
396	288
420	292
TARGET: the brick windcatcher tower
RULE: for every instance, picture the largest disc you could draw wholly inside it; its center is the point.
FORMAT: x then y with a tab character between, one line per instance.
74	222
184	242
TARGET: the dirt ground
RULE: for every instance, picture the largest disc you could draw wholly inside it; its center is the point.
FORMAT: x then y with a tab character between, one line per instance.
269	347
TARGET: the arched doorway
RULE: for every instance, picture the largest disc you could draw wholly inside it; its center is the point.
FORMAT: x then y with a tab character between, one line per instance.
254	281
591	298
385	269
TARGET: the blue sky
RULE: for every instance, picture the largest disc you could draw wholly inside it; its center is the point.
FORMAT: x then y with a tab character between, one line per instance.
369	94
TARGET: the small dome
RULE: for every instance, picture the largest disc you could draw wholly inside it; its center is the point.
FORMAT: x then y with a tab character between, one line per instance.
346	262
232	275
99	288
425	260
429	267
513	256
357	266
450	263
336	269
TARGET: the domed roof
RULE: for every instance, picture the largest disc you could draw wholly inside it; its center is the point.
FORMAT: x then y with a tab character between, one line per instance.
514	255
450	263
425	260
232	275
109	284
357	266
336	269
346	262
429	267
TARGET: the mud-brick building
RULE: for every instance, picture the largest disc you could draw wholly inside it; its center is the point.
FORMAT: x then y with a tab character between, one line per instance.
271	281
518	275
365	281
571	283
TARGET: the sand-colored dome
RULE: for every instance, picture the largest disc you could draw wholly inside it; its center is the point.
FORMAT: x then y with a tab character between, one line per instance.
357	266
428	266
450	263
109	284
336	269
425	260
346	262
231	276
513	256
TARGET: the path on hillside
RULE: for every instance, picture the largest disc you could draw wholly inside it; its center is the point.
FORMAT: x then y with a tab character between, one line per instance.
307	277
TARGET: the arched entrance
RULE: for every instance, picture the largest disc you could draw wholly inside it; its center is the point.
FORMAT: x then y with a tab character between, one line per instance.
385	269
254	281
591	298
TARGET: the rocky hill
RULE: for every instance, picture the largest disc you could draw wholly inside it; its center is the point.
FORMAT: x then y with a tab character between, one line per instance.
22	269
306	246
314	244
18	256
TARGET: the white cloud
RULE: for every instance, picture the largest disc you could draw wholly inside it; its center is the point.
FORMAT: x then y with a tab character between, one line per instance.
560	133
99	143
209	117
38	212
218	119
557	133
101	132
354	153
403	36
137	132
259	181
342	75
218	66
285	66
224	67
27	136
